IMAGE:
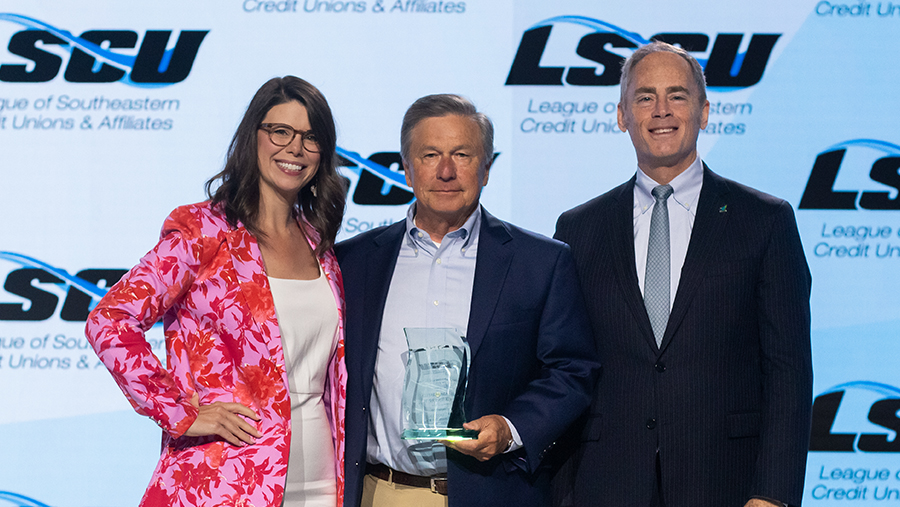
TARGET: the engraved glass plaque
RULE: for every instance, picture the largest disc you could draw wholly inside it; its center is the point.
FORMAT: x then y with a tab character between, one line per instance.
435	385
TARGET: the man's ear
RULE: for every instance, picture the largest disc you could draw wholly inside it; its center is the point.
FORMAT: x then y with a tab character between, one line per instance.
620	117
487	171
408	174
704	116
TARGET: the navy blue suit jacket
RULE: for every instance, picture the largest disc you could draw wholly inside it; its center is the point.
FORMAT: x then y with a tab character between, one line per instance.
726	398
533	357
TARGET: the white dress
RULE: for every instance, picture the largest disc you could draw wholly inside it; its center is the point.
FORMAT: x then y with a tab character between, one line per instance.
308	320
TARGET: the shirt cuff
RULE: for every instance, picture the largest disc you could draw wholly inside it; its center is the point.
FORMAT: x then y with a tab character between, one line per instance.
516	439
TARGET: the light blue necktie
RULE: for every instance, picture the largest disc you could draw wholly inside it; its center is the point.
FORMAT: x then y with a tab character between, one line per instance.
658	272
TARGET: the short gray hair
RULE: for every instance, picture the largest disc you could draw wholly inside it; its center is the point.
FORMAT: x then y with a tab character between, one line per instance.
445	104
661	47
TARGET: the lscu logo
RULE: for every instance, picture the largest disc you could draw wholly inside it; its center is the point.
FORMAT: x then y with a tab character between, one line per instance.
725	66
377	180
861	173
91	62
857	416
39	284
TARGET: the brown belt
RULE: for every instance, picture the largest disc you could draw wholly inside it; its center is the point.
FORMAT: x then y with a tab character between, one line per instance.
437	483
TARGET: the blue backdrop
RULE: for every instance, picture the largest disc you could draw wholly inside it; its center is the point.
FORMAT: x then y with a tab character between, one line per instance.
112	114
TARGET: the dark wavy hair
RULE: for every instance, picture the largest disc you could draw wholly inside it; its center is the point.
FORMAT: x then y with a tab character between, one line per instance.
238	192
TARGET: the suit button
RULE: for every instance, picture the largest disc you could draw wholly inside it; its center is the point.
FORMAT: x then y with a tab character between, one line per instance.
660	366
651	423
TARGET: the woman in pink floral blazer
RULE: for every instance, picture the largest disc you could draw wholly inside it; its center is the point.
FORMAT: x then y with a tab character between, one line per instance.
223	396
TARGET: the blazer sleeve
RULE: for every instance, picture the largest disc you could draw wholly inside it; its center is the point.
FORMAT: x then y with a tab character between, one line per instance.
783	293
116	327
566	351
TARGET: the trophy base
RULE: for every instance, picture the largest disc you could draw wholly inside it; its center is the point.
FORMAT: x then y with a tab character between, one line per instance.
451	434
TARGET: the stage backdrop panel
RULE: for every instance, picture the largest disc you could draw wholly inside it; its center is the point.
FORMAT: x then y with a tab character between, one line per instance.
111	115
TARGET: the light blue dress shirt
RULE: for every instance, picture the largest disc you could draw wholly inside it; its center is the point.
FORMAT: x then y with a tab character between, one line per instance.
431	287
682	206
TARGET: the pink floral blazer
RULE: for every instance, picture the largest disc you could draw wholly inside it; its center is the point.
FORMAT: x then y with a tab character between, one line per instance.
207	281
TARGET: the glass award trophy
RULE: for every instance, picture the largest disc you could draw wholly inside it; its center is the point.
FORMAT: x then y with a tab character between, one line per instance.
435	385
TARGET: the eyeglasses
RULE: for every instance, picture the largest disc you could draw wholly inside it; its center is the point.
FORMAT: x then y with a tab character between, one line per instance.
283	135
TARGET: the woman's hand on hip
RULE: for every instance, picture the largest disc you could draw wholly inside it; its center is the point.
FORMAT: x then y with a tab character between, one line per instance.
224	419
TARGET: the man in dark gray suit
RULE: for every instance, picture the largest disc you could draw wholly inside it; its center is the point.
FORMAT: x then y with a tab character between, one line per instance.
698	292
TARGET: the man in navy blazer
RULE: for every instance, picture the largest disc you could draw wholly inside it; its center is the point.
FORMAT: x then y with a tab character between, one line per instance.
514	295
713	409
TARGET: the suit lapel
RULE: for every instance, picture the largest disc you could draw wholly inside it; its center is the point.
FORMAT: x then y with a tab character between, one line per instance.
381	261
623	258
495	254
709	225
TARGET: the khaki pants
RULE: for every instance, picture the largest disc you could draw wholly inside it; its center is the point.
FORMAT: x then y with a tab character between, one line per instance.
381	493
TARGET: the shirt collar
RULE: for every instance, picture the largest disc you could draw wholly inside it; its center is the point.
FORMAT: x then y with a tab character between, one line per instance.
685	188
419	238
